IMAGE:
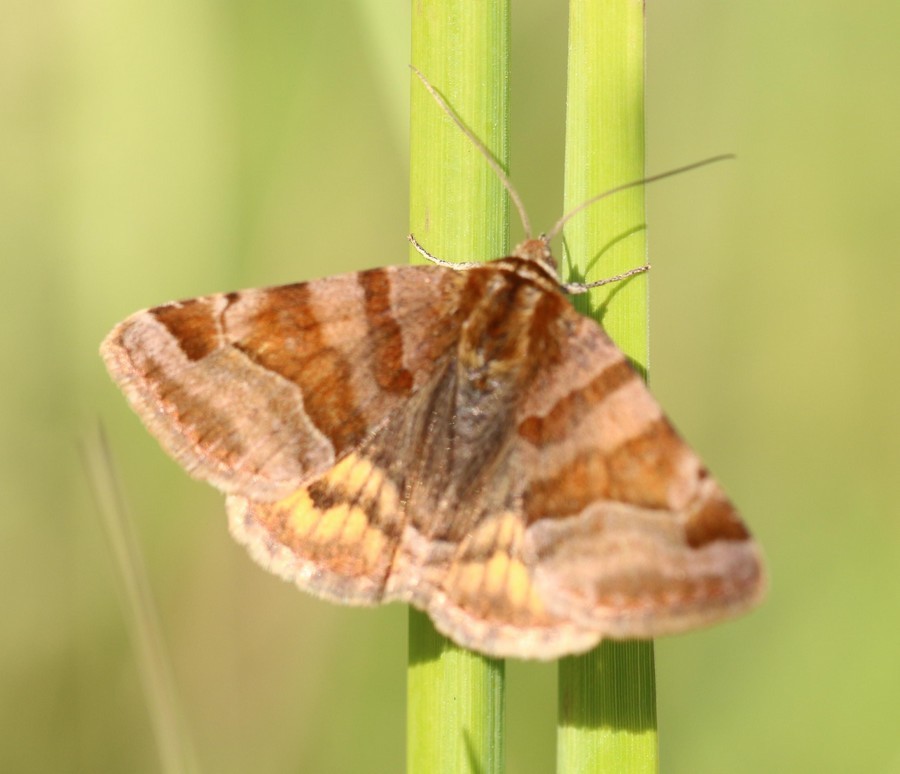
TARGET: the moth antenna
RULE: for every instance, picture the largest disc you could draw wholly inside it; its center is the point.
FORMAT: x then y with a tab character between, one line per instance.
482	149
557	227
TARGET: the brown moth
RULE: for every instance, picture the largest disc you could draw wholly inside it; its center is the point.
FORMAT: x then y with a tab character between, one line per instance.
461	440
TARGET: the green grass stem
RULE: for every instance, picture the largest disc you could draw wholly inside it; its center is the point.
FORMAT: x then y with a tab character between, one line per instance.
458	211
607	698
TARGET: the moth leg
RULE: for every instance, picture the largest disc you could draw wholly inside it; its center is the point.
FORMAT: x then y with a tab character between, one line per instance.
440	261
573	288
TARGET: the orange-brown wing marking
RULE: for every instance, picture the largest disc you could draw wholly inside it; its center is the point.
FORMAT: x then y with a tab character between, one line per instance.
335	537
481	593
630	535
263	390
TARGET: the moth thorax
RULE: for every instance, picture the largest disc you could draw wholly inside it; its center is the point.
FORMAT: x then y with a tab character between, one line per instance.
537	250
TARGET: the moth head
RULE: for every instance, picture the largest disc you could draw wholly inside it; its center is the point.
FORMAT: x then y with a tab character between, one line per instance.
538	251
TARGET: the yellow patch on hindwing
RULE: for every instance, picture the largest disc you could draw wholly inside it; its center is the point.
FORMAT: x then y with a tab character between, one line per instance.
489	573
345	510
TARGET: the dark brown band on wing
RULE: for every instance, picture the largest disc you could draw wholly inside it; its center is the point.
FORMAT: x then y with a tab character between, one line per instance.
545	343
644	469
192	324
715	519
287	340
387	362
641	472
582	481
575	405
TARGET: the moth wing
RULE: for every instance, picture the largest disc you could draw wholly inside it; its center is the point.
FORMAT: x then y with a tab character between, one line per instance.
626	532
482	593
375	527
365	532
260	391
335	537
600	522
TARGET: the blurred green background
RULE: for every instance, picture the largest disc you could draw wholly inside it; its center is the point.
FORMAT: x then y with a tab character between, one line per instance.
151	151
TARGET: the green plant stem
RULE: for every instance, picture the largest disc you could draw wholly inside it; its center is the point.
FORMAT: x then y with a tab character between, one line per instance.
459	212
607	698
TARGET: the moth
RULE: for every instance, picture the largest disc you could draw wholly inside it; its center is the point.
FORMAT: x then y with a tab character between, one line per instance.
458	439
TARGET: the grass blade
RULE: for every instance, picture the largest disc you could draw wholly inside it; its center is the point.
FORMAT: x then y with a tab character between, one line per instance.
607	698
458	212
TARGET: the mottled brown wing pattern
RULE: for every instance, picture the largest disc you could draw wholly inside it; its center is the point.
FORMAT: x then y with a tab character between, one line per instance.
462	441
424	510
335	537
376	528
262	390
628	533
